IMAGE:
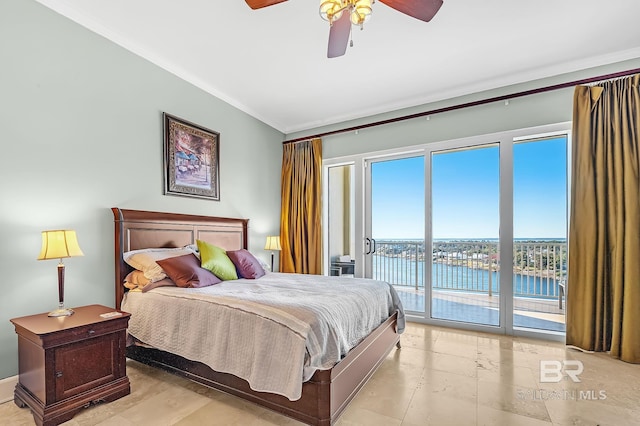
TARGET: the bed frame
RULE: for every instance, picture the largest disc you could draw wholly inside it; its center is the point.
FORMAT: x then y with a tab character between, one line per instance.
324	396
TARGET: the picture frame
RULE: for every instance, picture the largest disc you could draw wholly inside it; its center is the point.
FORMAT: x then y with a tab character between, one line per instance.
191	159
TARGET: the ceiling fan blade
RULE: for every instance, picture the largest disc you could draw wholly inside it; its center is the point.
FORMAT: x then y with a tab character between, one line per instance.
259	4
423	10
339	36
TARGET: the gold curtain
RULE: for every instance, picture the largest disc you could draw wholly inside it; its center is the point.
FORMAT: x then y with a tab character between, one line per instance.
603	291
301	217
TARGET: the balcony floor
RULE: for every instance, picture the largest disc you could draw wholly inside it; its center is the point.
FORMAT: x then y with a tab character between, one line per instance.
543	314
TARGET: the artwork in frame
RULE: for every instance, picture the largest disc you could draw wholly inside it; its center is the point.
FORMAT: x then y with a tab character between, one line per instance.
191	157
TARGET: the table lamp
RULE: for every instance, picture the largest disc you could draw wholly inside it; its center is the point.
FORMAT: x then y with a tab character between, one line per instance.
273	244
57	245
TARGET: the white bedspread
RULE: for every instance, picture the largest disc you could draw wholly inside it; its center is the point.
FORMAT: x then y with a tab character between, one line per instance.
274	332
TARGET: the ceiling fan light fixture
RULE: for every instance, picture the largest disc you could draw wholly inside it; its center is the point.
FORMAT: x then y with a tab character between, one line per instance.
331	10
358	12
361	12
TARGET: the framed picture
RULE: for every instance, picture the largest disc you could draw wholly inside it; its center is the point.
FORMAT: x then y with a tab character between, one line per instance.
191	159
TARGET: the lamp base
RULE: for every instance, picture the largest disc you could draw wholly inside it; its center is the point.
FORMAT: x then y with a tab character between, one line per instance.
62	312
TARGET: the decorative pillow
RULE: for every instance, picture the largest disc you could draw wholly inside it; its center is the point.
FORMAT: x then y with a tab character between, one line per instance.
216	260
246	264
137	278
145	260
166	282
265	266
185	271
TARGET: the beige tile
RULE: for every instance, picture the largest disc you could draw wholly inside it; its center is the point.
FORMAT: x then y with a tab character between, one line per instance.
496	341
423	341
355	416
233	411
513	399
462	348
565	412
165	408
623	393
506	356
418	329
541	346
399	374
435	409
507	373
10	414
604	367
115	421
386	395
488	416
459	336
603	379
452	364
411	356
448	384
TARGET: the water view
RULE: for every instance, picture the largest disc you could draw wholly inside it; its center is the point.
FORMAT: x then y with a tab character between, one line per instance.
465	279
464	194
473	265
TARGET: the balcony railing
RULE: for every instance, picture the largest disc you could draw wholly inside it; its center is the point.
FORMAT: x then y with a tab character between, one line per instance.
539	268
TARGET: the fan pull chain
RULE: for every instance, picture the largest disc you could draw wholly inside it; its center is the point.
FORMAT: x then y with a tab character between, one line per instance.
351	36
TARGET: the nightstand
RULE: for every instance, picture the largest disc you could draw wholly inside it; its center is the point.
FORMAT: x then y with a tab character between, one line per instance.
68	363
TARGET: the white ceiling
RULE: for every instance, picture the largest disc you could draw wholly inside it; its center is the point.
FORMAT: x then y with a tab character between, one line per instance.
272	63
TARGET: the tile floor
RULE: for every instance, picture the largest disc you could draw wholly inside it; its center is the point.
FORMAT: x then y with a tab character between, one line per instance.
439	377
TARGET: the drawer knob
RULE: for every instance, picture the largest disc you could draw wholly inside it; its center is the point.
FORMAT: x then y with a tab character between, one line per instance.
91	332
58	373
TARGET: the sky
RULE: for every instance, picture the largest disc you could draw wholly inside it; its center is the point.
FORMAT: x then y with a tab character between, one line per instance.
465	193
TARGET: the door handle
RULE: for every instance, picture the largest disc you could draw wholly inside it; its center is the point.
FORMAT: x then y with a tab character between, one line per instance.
367	245
374	246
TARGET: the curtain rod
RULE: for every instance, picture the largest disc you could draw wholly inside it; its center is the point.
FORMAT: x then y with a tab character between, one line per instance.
598	79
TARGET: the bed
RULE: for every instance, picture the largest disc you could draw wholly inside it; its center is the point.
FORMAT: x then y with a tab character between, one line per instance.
323	397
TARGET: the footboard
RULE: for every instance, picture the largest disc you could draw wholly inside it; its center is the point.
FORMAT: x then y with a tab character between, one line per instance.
324	397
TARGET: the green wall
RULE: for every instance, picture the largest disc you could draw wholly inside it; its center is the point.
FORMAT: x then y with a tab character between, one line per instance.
80	132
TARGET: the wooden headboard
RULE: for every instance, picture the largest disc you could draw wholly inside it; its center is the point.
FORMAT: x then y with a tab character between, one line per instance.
138	229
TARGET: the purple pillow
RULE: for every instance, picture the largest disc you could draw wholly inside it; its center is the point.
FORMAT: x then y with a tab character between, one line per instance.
246	264
185	271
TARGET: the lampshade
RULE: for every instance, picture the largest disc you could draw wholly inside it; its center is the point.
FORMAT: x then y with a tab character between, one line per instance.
361	12
331	10
58	244
273	243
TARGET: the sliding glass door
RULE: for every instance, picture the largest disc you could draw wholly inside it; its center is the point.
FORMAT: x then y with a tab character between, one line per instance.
540	232
394	238
471	233
465	229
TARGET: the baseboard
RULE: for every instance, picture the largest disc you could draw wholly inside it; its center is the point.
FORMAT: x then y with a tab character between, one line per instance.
6	388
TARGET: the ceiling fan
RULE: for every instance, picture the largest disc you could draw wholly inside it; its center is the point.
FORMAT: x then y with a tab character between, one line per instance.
342	13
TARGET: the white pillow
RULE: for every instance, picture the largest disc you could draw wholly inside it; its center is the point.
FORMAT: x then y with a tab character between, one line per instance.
145	260
263	264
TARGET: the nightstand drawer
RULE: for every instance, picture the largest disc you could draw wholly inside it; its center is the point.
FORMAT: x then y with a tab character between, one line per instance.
85	332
